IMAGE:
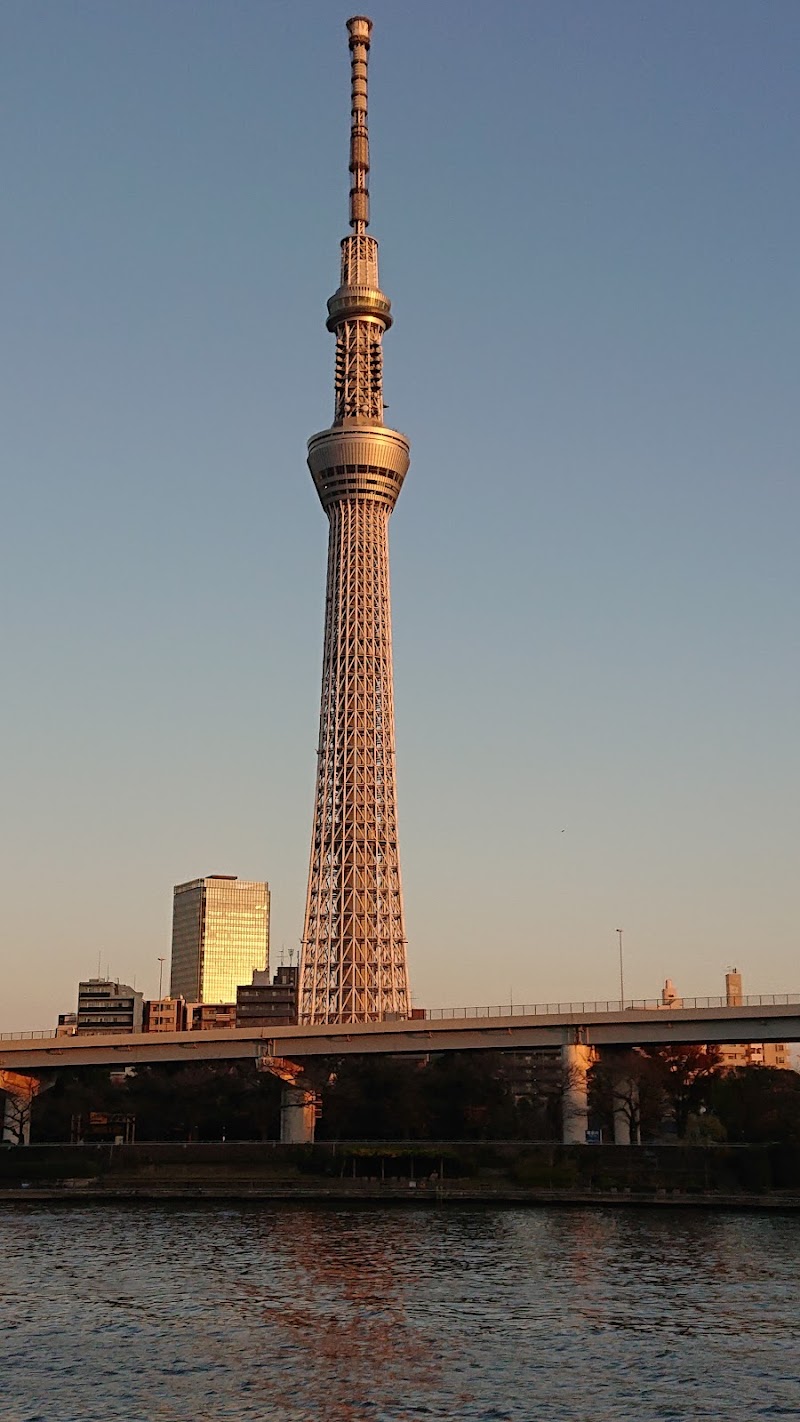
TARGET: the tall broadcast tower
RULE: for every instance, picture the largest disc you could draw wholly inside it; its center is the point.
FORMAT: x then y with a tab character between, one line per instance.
353	963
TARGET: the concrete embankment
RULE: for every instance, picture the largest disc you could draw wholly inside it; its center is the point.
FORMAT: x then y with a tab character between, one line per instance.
439	1173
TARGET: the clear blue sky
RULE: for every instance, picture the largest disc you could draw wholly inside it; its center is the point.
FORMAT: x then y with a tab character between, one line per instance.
589	226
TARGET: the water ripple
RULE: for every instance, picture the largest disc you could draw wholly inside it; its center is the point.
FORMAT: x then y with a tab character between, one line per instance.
293	1314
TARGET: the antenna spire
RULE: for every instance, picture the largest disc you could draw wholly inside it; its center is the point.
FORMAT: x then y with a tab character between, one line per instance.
358	311
359	29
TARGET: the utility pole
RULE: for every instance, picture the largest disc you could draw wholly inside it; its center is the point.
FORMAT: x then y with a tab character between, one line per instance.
160	974
621	977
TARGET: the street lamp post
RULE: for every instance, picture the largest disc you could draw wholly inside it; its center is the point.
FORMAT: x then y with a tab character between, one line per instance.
621	977
160	974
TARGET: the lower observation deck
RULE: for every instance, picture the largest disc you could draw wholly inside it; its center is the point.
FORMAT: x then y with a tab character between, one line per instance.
365	461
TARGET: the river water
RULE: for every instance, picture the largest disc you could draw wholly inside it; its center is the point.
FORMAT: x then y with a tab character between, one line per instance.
262	1313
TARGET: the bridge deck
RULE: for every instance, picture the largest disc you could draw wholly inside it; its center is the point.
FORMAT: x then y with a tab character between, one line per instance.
629	1028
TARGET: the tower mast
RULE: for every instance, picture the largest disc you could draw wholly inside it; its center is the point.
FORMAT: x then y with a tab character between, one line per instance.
353	962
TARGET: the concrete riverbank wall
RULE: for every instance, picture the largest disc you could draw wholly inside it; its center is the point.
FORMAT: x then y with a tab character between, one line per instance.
468	1171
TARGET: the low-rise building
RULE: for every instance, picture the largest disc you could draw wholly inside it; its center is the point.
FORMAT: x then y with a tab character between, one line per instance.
165	1014
268	1004
210	1016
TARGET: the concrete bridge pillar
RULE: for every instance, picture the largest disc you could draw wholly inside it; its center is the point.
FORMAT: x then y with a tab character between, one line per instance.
20	1091
298	1102
298	1115
576	1058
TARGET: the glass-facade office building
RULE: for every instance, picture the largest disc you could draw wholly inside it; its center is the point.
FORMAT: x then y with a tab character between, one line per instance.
220	935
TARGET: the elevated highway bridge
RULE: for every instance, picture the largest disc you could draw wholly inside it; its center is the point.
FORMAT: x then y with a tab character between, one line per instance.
767	1019
578	1029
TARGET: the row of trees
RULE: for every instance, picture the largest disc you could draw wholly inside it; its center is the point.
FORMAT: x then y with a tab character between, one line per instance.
655	1088
677	1091
685	1089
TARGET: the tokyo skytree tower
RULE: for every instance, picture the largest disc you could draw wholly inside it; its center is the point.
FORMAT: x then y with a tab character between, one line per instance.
353	965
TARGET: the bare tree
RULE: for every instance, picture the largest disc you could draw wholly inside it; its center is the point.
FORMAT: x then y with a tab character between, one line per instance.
625	1090
20	1091
17	1118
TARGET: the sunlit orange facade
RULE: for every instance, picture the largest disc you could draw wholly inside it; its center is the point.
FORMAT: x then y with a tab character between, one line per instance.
220	935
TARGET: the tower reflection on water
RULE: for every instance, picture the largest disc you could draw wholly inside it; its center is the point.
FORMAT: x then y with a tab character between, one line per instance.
346	1334
304	1313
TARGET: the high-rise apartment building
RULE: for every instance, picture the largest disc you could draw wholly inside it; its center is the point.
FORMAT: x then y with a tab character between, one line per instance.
105	1005
763	1054
220	935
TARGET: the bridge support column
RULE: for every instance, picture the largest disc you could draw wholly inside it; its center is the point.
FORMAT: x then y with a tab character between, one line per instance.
298	1115
575	1062
20	1091
299	1104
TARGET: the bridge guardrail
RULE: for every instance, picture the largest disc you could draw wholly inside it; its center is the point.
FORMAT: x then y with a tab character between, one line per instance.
637	1004
48	1033
540	1009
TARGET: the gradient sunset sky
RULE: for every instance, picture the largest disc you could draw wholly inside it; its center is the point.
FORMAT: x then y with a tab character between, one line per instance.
589	225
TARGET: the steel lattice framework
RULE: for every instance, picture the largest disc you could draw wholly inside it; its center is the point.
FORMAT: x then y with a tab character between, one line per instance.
353	964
